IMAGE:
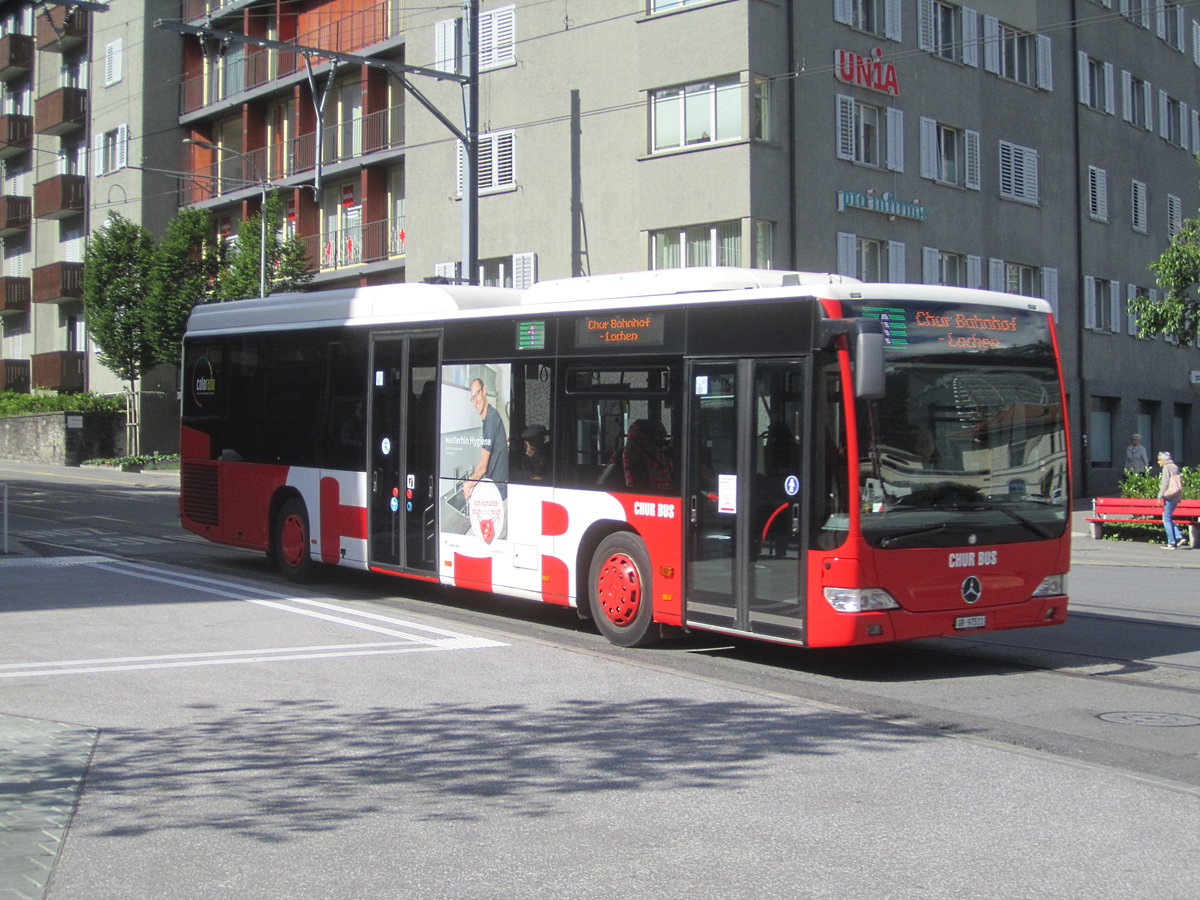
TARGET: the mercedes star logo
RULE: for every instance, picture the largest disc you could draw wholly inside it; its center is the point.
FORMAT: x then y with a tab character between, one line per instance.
972	589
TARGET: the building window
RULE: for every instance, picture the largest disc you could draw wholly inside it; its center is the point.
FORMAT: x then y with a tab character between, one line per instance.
1098	194
1018	173
1136	101
762	110
870	135
657	6
497	162
1137	11
949	155
1139	219
1101	413
764	245
869	258
950	269
497	41
1096	83
516	271
716	244
1102	308
694	114
1017	55
949	31
1172	120
1170	23
879	17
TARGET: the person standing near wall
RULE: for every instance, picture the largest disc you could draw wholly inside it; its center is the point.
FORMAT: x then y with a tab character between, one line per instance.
1170	492
1136	457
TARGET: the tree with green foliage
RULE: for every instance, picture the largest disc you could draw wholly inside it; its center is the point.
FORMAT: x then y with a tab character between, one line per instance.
117	278
1176	313
187	268
286	263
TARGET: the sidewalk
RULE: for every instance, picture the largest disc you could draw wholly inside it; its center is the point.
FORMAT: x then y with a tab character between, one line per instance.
1089	552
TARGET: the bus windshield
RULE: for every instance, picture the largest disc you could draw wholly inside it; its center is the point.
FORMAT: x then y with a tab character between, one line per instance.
968	445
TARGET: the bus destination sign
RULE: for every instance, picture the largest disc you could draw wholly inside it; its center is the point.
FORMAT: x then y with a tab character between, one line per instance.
531	335
615	330
955	329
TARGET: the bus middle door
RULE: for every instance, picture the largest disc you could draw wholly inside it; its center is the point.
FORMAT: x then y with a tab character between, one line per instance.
403	457
747	420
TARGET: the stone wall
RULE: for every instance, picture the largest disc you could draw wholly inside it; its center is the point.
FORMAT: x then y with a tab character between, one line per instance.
62	438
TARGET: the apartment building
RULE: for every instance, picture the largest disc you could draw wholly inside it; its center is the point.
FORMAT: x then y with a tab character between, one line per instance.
1043	147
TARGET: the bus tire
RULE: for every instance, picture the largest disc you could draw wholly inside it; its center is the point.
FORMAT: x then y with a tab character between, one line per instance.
619	591
290	543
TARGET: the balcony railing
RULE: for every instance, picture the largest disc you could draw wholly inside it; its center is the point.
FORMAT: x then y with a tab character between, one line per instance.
59	197
59	370
383	130
59	282
16	376
14	215
16	135
248	68
357	245
61	111
14	294
60	29
16	56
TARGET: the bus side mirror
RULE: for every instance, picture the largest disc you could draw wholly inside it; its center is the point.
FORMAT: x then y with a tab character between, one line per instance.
868	359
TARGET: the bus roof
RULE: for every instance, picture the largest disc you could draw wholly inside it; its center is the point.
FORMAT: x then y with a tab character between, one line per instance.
660	282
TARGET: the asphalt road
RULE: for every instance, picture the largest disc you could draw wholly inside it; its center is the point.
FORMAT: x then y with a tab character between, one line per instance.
176	721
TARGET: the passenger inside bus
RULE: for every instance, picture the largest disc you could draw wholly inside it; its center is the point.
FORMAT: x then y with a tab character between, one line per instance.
646	456
535	461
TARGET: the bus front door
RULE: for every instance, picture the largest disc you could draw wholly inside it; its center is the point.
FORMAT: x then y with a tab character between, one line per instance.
403	452
746	476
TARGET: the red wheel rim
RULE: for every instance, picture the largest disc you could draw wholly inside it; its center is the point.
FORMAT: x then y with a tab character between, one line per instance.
619	587
292	541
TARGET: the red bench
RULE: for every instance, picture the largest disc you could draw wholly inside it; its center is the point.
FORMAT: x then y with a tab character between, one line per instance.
1143	511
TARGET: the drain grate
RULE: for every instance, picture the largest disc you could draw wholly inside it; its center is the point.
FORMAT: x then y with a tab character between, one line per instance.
1149	719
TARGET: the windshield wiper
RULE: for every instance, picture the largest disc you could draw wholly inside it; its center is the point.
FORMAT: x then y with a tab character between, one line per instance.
915	532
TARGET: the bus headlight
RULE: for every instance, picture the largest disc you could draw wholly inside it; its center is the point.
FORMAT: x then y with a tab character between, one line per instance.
1051	585
859	599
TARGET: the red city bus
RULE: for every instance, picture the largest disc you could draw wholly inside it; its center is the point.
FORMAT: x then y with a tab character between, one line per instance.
793	457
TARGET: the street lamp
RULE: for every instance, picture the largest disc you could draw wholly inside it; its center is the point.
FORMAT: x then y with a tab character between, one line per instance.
263	186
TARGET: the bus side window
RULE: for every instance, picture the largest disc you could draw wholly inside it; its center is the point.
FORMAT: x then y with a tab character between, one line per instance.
531	439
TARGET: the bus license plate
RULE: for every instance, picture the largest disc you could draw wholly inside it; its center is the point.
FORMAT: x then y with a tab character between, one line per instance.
962	623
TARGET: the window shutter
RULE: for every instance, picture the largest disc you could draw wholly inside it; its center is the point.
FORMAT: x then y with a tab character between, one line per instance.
1045	62
842	11
505	162
113	62
445	45
1114	307
98	154
896	262
1160	20
1130	319
122	146
845	128
1050	288
1184	126
991	44
1126	96
1109	87
524	267
892	20
973	151
1084	77
996	274
1196	42
974	271
924	24
970	30
1164	123
930	268
1098	193
895	139
1138	220
497	37
847	257
1196	131
929	147
487	161
1089	301
446	270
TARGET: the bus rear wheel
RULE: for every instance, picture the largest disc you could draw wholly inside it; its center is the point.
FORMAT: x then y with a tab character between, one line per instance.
291	543
619	590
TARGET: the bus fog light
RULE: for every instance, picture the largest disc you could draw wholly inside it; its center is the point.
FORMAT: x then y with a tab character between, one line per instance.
859	599
1052	585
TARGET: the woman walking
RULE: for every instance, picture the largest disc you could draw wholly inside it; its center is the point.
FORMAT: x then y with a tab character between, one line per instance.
1170	491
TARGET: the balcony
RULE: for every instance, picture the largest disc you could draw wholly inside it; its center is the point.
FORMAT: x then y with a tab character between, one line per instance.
61	112
59	282
60	29
60	370
16	376
59	197
14	215
357	245
16	56
14	295
16	135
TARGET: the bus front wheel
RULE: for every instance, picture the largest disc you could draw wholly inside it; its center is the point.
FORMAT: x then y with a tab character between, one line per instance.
291	540
619	591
